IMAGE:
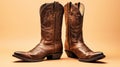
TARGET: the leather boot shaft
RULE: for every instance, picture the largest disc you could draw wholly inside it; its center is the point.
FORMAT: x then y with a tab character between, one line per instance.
51	16
74	23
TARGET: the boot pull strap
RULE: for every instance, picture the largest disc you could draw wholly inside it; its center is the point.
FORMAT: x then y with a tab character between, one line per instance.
54	5
69	6
78	5
81	8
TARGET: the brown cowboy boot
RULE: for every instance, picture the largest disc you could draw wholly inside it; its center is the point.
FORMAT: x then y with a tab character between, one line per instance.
74	44
50	45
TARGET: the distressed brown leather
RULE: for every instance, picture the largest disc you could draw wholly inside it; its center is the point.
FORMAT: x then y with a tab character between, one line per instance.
74	44
50	46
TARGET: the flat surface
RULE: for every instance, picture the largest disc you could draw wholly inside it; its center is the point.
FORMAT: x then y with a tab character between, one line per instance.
63	62
7	59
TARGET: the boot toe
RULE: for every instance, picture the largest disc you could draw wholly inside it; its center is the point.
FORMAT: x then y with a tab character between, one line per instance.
93	57
20	55
97	56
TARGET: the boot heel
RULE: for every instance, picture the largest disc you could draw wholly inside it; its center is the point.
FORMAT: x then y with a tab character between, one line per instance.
54	56
70	54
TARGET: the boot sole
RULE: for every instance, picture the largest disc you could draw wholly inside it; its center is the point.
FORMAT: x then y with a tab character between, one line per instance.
54	56
95	58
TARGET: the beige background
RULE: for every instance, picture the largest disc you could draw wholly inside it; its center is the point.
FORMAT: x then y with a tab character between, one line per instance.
20	30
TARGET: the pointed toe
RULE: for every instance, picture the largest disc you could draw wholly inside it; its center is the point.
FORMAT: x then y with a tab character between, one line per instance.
98	55
20	55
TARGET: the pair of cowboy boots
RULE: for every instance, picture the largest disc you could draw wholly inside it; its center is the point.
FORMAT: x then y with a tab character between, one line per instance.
50	46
